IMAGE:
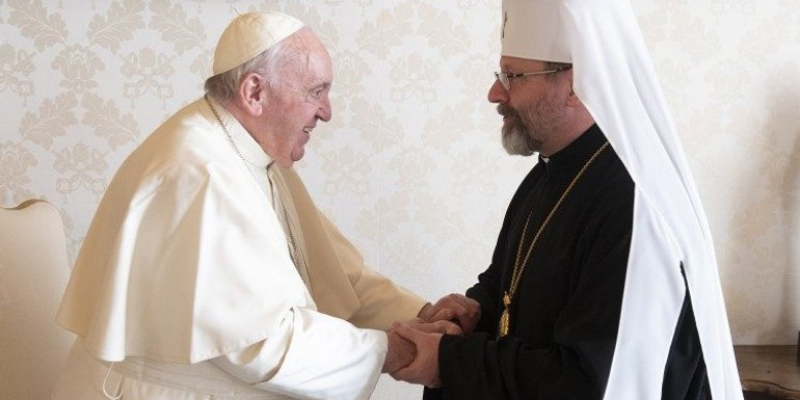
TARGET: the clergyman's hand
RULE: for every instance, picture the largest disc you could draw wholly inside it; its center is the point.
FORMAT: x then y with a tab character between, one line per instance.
424	369
401	352
431	313
456	307
441	326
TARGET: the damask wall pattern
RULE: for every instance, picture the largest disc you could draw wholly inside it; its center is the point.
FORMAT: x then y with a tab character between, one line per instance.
410	166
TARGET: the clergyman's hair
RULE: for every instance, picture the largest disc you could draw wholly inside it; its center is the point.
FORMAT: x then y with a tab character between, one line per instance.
556	65
223	87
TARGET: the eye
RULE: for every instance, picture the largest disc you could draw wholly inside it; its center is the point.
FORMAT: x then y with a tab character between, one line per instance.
318	91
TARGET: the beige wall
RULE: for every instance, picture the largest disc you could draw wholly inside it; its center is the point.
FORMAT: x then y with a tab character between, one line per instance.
411	166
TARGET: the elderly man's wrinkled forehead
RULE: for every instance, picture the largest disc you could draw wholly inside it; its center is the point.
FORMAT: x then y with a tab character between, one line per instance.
303	57
304	51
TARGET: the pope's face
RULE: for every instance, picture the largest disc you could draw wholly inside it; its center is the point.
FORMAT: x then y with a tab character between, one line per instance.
298	98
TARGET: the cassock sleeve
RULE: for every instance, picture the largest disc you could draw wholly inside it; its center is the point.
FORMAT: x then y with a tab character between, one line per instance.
312	356
486	291
577	364
486	294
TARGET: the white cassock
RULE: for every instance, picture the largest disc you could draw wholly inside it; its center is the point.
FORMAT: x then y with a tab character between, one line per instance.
185	286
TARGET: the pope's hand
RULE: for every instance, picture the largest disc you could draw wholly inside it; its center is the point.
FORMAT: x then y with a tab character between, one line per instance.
400	353
424	369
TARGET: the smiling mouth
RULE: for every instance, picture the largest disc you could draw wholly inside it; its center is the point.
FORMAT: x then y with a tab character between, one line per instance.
308	130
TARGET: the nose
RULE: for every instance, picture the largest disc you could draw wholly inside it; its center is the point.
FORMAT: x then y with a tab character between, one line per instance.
324	111
497	93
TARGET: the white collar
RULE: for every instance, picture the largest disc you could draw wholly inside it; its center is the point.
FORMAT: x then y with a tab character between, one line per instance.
249	149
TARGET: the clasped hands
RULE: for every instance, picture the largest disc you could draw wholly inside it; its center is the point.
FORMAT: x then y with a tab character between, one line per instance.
413	354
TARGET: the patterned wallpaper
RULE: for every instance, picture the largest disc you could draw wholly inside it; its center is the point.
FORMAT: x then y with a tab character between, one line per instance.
411	167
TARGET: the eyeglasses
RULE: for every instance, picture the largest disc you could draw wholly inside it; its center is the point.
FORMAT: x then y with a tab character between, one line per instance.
505	78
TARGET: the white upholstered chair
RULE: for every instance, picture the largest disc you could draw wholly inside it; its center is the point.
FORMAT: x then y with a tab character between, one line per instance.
33	275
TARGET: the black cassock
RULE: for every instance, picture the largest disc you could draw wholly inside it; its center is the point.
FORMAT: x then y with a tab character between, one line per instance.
565	313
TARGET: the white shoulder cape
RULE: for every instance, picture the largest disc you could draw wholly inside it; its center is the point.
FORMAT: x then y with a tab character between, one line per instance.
185	260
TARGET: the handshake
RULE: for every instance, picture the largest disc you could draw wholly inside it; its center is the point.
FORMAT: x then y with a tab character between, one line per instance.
413	354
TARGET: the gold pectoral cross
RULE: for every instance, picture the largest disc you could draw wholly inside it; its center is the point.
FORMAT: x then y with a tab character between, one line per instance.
505	318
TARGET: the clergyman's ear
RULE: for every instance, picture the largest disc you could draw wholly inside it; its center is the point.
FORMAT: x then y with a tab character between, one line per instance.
572	99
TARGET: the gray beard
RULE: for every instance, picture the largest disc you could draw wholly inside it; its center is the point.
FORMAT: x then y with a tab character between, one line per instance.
516	143
525	136
516	137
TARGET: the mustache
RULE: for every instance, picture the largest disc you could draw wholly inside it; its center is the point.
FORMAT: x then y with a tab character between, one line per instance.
506	111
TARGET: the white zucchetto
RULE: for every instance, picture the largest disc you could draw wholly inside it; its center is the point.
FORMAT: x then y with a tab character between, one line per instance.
250	35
